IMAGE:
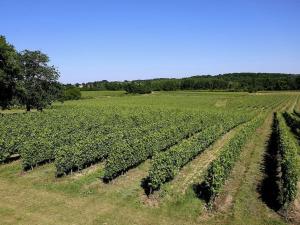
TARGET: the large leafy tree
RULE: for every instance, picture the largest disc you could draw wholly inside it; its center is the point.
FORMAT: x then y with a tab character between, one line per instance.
9	73
40	85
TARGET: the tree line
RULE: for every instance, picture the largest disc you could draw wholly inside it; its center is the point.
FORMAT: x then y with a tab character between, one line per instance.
27	79
250	82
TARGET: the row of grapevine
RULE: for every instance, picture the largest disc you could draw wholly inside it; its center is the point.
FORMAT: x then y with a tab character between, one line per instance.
37	136
293	122
220	168
19	129
132	152
97	147
42	145
166	165
125	130
297	108
288	162
253	102
85	145
12	135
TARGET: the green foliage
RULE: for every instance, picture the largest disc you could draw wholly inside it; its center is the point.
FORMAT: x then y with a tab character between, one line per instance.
36	152
131	153
288	163
95	147
52	139
220	168
126	130
13	134
166	165
71	93
83	153
293	122
9	73
92	145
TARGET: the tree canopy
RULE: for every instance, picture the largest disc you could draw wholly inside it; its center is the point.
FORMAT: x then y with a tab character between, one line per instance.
26	78
39	80
9	72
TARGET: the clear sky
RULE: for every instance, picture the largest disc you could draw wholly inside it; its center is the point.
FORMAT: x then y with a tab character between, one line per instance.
125	39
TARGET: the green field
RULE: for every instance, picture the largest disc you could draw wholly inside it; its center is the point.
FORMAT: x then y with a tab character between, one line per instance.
115	158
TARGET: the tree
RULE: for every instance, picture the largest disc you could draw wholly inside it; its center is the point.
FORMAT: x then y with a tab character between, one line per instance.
138	87
40	85
9	73
170	85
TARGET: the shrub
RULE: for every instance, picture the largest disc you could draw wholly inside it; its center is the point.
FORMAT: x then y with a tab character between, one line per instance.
71	93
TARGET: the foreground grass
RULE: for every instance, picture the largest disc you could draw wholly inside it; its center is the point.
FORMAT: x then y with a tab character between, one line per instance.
36	197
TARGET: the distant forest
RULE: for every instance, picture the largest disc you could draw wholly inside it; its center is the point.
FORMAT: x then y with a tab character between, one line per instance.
250	82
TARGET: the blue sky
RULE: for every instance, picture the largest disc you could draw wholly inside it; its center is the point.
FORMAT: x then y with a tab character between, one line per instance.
125	39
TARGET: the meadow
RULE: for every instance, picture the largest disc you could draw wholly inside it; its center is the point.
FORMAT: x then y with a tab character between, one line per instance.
178	157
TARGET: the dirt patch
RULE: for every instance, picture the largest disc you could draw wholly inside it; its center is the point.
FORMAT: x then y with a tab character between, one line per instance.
223	203
221	103
294	212
151	200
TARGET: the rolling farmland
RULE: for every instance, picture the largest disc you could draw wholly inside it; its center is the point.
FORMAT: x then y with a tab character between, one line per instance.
182	157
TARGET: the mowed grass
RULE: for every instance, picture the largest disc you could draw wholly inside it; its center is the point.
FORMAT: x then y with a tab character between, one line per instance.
37	197
101	94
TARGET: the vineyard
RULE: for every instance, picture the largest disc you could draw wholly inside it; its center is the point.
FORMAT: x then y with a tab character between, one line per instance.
162	158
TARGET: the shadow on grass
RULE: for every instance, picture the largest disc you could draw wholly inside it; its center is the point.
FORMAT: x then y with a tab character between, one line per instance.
145	184
28	168
269	187
11	159
202	192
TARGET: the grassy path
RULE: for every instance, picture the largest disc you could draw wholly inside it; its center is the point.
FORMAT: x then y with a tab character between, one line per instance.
240	201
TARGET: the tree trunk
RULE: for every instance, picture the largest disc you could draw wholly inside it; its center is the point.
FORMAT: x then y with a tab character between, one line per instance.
28	108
